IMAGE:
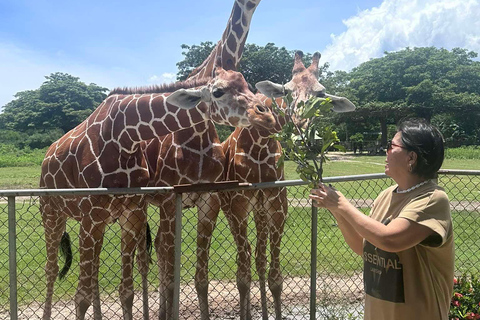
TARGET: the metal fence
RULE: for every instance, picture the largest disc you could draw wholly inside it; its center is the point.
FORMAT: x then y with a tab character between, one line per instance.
322	278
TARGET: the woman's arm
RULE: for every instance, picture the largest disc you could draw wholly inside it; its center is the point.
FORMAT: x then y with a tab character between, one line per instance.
351	236
399	235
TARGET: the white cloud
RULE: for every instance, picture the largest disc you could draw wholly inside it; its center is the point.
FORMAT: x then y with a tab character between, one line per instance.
397	24
164	78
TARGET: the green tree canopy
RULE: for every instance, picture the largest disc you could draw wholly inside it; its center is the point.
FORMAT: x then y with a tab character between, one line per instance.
61	102
423	82
258	63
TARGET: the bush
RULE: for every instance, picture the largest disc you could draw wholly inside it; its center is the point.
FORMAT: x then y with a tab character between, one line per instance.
11	156
470	152
466	298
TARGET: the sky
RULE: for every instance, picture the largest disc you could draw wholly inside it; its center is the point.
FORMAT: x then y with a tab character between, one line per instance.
133	43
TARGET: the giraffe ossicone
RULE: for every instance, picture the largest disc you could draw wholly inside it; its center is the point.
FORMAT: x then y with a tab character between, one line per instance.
304	85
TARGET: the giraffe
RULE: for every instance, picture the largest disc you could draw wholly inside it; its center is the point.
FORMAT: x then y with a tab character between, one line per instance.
251	157
104	151
183	157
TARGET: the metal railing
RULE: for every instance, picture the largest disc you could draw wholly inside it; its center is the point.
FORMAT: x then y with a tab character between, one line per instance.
329	287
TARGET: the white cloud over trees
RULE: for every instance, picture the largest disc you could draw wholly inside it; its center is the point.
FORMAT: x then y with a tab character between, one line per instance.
397	24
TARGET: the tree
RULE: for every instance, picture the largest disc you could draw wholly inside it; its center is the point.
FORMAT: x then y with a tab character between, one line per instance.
420	82
194	56
258	62
62	101
44	114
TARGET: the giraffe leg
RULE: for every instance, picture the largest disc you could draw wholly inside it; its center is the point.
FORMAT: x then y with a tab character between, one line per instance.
133	224
208	209
54	224
237	215
165	248
91	240
261	224
143	261
279	211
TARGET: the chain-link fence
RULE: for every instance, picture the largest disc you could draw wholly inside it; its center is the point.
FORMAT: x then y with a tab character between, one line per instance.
337	275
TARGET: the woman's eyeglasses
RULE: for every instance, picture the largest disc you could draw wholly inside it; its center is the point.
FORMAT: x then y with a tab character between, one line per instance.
390	145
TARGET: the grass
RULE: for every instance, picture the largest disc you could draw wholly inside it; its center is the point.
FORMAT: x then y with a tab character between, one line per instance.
28	177
333	255
19	177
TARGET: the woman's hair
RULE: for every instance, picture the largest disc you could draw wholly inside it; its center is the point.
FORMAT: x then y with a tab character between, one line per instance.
427	142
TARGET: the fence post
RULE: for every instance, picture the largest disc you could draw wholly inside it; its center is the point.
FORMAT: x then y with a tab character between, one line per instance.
178	255
313	265
12	258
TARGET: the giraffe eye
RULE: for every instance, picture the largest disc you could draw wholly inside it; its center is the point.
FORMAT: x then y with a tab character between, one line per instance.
217	93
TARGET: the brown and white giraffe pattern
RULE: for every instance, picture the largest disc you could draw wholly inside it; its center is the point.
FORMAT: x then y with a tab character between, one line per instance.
230	47
252	156
194	155
104	151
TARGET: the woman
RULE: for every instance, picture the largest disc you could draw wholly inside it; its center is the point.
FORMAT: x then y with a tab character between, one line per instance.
407	241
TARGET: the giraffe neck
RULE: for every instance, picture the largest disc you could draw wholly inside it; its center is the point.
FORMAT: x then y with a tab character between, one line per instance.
230	48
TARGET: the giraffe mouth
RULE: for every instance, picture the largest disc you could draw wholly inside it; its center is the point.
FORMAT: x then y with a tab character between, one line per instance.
262	117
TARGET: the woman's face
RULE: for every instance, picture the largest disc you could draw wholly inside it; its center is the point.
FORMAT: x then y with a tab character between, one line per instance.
397	158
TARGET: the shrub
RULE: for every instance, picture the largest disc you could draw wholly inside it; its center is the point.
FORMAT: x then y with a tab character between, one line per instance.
466	298
470	152
11	156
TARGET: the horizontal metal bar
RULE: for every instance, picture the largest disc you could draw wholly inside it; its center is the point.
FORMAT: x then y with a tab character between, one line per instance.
219	186
211	187
84	191
459	172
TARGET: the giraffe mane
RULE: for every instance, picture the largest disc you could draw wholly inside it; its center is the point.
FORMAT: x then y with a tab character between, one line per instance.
161	88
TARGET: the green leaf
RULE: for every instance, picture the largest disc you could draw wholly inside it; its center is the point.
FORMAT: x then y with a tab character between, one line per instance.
340	147
280	161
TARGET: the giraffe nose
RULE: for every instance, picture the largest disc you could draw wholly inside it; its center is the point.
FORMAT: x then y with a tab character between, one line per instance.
260	109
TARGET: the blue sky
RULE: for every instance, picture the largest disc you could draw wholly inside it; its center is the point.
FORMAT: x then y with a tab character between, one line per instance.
120	43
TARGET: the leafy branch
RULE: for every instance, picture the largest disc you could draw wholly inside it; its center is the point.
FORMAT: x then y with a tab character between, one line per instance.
304	128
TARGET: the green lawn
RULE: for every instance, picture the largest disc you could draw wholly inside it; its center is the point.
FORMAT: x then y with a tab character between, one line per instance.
28	177
372	164
333	255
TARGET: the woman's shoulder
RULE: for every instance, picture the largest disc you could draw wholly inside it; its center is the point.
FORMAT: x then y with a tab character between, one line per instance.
431	196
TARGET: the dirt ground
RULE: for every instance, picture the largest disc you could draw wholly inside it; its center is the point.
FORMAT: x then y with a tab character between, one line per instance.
331	291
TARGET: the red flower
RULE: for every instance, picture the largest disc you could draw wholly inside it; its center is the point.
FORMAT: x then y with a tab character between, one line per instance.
471	316
477	316
456	303
458	295
455	281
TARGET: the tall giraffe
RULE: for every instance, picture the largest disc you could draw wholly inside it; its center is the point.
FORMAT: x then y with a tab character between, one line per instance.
251	157
192	156
104	151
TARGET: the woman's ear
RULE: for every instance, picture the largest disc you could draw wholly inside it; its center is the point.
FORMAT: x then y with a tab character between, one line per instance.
412	156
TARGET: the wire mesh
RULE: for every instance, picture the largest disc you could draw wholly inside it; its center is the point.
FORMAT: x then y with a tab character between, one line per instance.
339	289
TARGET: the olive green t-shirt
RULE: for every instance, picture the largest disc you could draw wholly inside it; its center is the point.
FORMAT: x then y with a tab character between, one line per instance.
416	283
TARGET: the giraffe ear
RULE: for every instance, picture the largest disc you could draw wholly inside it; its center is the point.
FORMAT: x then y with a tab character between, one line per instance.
341	104
270	89
187	98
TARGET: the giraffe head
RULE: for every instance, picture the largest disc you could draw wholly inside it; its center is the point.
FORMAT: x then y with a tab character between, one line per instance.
304	85
227	100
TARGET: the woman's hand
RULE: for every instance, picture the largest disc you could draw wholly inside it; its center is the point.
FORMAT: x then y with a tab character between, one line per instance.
327	197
